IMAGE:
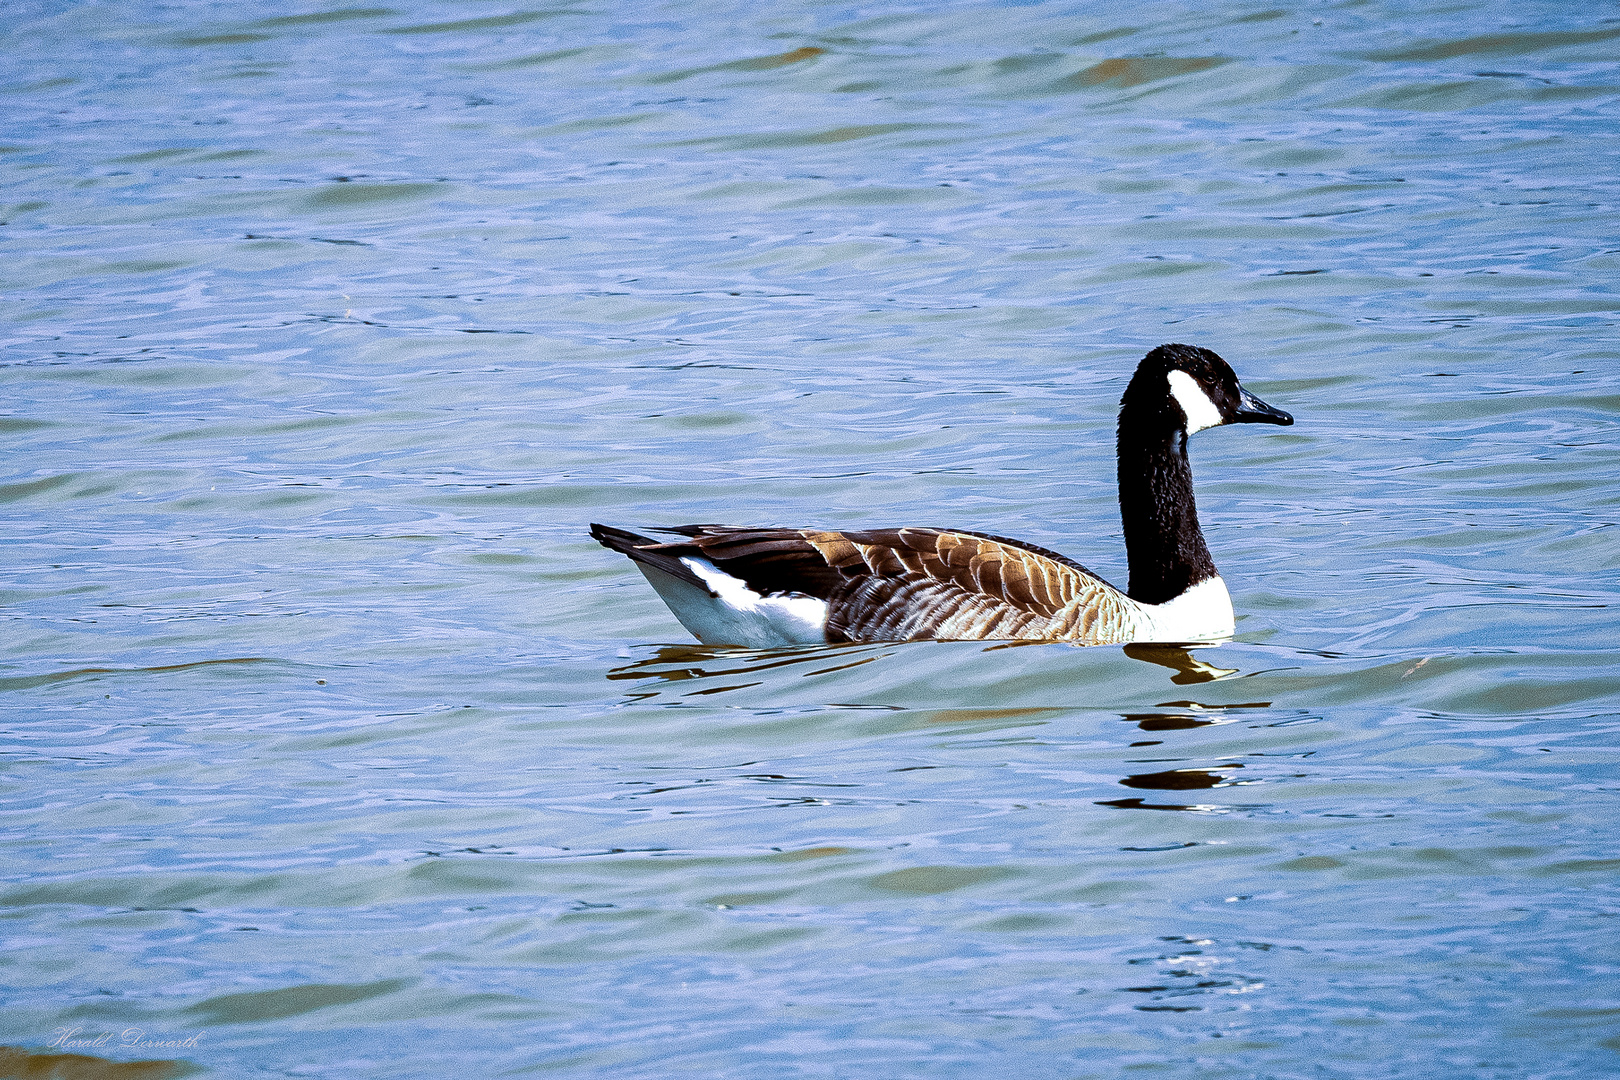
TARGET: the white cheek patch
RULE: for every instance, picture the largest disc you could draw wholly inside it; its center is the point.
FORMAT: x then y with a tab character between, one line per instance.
1195	405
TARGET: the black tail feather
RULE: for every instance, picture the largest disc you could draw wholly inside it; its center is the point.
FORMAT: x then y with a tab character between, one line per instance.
618	539
771	562
643	549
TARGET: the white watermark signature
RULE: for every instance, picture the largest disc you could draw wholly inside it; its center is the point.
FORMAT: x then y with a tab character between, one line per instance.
132	1038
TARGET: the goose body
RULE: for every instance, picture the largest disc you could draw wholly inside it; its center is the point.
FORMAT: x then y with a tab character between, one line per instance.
780	586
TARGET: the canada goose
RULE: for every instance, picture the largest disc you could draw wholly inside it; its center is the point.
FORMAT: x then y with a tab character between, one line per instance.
769	587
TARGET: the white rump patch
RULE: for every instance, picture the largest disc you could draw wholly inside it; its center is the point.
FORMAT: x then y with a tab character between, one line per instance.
736	614
1202	613
1195	405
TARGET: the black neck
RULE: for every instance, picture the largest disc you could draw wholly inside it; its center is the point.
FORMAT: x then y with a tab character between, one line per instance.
1163	544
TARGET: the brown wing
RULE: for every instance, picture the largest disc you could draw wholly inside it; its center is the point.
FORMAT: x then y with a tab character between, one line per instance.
910	584
951	585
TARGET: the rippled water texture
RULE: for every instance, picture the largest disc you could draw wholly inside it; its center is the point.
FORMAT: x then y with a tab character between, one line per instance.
334	747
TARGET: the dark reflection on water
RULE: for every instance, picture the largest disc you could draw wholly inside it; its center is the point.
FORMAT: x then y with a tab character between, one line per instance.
675	663
1181	779
1198	808
1168	721
678	663
1188	667
29	681
17	1061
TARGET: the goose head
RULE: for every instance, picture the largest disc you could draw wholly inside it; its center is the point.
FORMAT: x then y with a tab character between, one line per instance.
1186	389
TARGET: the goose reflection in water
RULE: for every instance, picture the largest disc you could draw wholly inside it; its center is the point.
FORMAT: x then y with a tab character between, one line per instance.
1188	715
688	663
679	663
1188	668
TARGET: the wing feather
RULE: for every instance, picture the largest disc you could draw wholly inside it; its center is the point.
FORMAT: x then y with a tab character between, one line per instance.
916	583
949	584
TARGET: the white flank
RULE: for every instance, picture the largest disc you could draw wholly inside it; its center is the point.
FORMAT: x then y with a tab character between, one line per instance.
1195	405
737	615
1202	613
